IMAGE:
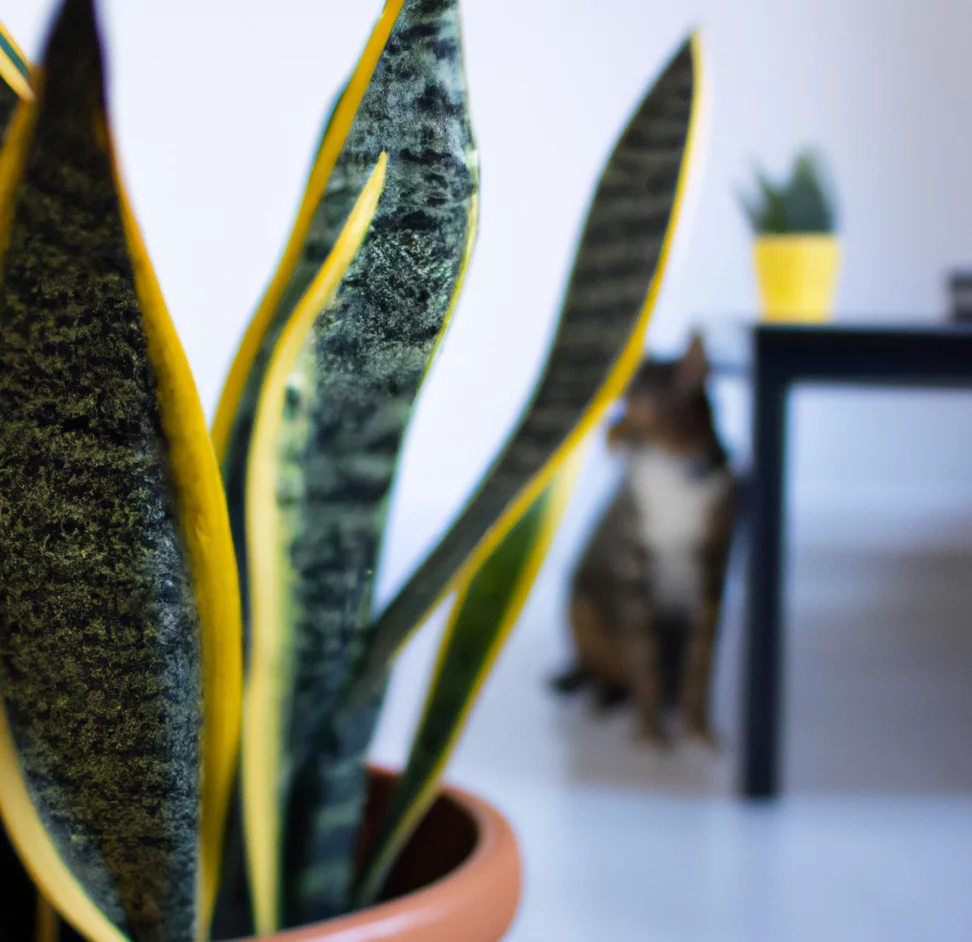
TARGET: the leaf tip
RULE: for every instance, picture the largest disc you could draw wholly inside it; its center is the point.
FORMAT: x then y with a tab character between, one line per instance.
73	56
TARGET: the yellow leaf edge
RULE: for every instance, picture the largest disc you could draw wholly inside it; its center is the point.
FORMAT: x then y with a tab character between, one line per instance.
204	521
622	371
562	486
14	67
324	163
264	694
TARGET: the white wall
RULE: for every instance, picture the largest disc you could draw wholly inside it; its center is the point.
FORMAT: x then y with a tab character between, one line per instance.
217	106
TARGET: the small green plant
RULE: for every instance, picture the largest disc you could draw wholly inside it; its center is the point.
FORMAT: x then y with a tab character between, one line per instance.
801	204
191	668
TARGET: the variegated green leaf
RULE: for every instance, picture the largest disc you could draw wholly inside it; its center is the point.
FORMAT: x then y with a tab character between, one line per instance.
374	101
616	277
277	488
350	395
487	607
14	77
20	905
120	647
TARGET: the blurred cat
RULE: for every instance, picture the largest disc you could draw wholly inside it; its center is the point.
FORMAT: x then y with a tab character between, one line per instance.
646	596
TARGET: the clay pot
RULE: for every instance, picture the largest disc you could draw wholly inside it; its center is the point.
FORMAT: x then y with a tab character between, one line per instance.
457	881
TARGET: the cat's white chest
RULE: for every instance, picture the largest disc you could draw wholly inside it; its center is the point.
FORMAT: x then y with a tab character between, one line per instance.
675	506
675	510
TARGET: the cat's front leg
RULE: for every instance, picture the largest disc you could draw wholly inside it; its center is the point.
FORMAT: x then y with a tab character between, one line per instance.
642	650
697	674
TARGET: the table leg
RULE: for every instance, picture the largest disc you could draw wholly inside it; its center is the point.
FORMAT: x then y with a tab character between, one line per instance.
764	655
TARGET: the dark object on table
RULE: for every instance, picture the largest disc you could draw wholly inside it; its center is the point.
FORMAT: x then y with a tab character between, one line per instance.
960	293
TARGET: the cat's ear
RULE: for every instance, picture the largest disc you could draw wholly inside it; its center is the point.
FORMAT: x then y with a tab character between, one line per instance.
693	368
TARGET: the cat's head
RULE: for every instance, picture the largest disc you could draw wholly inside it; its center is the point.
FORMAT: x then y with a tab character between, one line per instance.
666	406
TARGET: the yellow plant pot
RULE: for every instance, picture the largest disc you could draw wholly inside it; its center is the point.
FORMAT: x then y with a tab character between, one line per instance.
797	277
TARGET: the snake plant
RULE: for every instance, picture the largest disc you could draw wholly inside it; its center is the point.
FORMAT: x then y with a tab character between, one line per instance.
191	665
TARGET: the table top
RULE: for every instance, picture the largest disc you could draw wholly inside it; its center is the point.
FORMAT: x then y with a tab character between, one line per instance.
854	350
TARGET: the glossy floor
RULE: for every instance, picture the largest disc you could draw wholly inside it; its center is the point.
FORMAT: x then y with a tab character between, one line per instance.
872	841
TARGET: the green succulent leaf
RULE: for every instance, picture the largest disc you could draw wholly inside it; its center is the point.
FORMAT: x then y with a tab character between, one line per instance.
325	463
486	609
14	77
277	487
801	204
807	205
20	903
120	647
773	213
368	106
616	277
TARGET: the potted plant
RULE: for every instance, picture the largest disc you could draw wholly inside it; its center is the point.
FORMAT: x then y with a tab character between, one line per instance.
190	665
797	254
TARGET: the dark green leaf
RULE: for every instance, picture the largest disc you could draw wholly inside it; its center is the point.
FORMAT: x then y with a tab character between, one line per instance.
14	77
20	903
118	600
483	616
800	205
348	401
616	276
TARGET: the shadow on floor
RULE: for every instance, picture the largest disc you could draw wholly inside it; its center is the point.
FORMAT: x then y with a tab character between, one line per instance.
878	685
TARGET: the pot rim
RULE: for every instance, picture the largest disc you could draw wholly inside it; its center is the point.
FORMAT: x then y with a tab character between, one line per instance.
451	907
789	237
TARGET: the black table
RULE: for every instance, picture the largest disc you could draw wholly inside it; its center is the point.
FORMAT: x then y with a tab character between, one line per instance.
782	357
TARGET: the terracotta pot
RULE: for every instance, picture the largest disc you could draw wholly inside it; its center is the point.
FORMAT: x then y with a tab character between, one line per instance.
457	881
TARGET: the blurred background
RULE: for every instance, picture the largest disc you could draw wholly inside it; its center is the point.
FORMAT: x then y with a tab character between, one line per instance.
217	106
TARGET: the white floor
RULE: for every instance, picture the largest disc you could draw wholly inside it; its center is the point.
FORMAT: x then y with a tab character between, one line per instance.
873	840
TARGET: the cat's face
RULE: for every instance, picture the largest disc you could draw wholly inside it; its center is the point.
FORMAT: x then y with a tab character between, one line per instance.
662	405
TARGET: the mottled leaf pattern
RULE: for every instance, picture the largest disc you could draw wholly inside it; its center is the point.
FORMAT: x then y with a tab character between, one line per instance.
276	493
350	399
487	607
14	77
18	911
616	276
323	210
120	644
119	610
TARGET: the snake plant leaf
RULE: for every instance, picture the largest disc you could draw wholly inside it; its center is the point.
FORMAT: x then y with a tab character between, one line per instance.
276	494
372	346
14	77
368	105
26	914
301	260
487	606
616	277
120	641
17	916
